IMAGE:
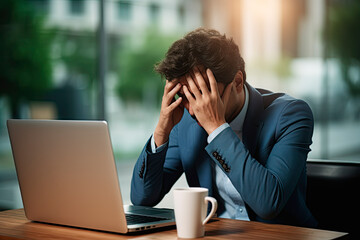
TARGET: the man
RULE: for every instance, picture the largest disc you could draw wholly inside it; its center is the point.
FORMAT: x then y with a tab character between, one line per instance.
247	146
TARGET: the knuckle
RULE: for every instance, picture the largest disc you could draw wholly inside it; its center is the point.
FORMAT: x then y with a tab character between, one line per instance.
207	99
168	86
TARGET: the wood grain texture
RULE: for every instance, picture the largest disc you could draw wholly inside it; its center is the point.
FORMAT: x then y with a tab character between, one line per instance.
14	225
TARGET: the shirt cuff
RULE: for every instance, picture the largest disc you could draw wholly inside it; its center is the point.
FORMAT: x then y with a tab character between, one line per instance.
155	149
216	132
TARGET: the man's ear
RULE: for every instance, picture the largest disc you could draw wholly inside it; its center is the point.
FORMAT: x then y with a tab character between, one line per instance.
239	81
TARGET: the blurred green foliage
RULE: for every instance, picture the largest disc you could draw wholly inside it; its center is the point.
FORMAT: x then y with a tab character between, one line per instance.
138	82
343	36
77	51
25	64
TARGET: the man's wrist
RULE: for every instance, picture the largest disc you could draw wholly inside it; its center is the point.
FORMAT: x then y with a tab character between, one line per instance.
154	148
160	137
217	131
212	128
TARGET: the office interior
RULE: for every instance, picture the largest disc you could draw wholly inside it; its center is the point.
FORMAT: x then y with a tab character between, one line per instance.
94	59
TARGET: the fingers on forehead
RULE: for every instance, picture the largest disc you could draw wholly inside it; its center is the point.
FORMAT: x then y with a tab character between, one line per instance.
199	70
199	77
190	77
213	83
210	74
202	70
191	80
184	80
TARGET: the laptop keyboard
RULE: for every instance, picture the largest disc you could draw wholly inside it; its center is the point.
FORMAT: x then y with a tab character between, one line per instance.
138	219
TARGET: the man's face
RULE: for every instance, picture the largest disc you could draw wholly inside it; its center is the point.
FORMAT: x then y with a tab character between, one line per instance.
183	81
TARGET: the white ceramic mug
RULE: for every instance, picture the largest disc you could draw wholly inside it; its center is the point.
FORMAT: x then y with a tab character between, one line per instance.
190	205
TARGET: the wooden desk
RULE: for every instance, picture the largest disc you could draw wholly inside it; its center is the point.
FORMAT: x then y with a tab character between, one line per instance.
14	225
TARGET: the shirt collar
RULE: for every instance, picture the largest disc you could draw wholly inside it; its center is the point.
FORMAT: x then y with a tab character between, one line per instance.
238	122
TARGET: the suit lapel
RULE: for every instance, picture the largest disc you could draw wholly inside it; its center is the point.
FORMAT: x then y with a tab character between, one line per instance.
202	163
196	161
204	171
253	120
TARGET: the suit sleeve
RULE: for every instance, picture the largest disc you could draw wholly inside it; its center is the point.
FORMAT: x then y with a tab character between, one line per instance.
155	173
267	188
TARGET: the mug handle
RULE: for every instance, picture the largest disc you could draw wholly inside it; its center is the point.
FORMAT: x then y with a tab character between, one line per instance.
213	208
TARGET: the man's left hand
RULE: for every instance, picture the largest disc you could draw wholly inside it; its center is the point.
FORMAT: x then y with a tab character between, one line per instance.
209	108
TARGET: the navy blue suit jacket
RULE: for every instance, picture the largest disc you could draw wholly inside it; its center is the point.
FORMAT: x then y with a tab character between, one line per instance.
268	167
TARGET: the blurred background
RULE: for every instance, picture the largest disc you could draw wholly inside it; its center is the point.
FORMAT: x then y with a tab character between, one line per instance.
93	59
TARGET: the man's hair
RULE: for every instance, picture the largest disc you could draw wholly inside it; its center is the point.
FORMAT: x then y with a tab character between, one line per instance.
204	47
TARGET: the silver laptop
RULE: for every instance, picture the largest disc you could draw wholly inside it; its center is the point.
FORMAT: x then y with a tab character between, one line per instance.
68	176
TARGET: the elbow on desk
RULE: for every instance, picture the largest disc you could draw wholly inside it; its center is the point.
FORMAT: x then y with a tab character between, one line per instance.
140	195
139	200
142	200
268	212
271	204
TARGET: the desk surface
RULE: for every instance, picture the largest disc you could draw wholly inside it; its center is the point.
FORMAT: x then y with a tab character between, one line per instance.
14	225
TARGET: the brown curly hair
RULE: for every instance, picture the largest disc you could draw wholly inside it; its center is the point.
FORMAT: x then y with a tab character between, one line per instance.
204	47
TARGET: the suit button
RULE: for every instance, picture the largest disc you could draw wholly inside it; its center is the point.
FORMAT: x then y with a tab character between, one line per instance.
215	154
221	161
227	169
218	157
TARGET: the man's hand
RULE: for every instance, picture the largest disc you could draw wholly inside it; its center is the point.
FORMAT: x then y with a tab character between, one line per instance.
170	114
209	108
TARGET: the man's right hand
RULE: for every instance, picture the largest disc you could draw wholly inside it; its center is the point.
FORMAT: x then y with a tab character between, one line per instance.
170	114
